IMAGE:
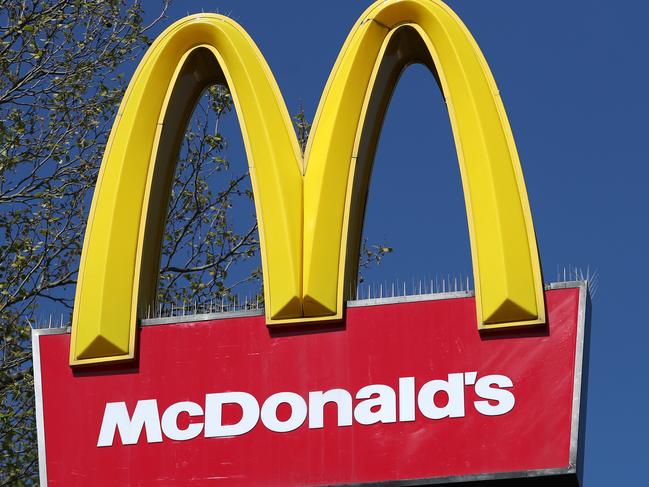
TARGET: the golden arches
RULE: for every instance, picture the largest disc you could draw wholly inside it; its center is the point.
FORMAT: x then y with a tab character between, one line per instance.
308	223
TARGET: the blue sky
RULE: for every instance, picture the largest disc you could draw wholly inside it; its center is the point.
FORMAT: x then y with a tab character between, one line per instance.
573	77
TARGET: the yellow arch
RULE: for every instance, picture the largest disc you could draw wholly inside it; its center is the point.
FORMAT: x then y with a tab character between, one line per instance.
387	37
120	258
310	224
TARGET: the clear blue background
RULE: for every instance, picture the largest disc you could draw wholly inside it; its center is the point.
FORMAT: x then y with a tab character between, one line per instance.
573	76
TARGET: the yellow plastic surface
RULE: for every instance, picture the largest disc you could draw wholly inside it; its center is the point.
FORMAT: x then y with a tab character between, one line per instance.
309	225
110	289
506	267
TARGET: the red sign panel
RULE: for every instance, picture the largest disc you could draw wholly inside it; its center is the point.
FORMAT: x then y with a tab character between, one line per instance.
399	391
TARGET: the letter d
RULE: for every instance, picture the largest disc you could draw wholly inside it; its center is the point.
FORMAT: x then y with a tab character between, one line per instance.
214	417
454	388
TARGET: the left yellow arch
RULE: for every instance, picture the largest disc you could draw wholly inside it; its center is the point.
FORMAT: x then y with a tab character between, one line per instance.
310	216
120	258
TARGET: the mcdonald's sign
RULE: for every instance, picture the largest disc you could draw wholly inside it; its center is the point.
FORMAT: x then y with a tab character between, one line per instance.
410	390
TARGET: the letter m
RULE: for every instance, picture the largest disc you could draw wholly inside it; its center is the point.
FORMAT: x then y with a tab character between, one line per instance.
116	418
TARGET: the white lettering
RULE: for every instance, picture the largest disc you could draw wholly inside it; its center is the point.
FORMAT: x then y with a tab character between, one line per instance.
484	390
470	377
377	395
407	399
116	417
317	401
287	411
295	420
214	426
454	407
170	421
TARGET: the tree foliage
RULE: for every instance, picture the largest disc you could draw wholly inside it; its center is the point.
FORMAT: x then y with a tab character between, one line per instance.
211	243
61	81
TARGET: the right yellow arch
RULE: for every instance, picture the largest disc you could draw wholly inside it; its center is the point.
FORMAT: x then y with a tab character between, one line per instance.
389	36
